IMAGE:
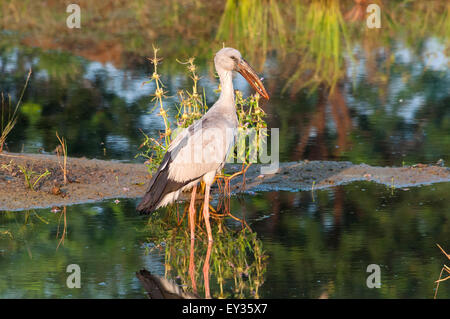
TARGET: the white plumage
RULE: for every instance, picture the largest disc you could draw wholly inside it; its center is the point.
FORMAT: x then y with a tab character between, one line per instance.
200	151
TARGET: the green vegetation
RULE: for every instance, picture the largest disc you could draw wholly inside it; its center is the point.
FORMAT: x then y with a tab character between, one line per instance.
237	260
192	106
311	33
61	150
445	269
296	54
253	24
325	32
9	115
28	175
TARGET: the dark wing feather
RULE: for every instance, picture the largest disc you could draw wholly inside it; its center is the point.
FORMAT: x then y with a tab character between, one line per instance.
160	183
159	186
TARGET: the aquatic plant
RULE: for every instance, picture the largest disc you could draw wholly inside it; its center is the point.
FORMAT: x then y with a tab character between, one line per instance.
64	231
6	233
9	115
154	149
445	268
28	175
192	104
61	150
233	267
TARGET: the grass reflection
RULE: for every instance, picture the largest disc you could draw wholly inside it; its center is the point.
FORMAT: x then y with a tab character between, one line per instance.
253	26
377	96
233	266
317	34
103	239
321	42
444	271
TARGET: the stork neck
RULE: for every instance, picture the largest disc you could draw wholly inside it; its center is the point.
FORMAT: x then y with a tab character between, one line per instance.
227	90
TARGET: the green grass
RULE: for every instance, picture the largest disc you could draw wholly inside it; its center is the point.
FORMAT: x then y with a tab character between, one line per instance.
9	115
28	175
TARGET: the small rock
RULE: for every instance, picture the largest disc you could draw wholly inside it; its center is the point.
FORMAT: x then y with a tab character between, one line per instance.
56	190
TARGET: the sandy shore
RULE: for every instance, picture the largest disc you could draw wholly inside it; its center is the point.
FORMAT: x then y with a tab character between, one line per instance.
95	180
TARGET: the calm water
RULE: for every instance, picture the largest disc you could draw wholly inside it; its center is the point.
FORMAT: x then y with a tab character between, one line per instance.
100	109
390	106
314	247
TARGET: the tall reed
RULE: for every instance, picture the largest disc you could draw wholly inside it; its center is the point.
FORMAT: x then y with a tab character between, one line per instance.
9	115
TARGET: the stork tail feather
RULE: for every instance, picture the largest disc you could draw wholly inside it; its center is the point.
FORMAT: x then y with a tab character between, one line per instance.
160	186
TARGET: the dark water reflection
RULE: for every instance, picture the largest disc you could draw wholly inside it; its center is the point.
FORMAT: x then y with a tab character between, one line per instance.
322	247
314	246
389	106
391	119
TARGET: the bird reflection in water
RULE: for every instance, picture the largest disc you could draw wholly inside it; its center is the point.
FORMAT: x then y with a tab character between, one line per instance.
233	266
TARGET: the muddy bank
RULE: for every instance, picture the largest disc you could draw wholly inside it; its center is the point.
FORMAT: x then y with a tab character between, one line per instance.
94	180
88	181
307	175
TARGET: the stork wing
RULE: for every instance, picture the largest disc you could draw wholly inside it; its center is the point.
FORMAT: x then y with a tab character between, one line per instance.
199	149
196	151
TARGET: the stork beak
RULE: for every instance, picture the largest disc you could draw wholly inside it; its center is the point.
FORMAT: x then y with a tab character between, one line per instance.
252	78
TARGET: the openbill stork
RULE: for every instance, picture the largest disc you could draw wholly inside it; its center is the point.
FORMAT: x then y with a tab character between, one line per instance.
200	151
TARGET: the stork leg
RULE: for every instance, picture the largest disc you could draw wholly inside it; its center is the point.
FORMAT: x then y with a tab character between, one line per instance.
206	212
206	271
192	212
192	267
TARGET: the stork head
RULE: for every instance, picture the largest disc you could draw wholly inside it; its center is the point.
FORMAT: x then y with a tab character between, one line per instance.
229	59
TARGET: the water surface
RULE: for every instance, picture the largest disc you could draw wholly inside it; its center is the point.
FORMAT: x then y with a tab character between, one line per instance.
379	97
315	245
